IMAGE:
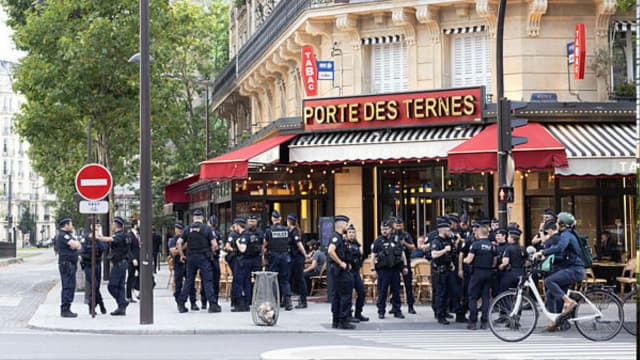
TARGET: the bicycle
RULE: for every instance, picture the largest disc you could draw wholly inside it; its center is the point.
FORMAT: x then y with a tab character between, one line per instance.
630	322
513	315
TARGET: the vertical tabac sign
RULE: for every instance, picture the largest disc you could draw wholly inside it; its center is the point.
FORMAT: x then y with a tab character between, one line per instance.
579	53
309	71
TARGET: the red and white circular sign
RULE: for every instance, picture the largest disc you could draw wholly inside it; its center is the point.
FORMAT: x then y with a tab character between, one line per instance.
93	182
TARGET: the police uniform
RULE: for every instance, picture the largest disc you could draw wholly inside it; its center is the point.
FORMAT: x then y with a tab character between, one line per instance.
455	284
387	252
278	258
180	271
245	263
498	274
515	269
341	280
408	277
67	265
297	263
484	253
133	281
466	268
119	257
231	259
440	268
87	263
358	284
215	260
198	239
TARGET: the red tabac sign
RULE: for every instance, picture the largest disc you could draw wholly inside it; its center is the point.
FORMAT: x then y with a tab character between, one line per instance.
579	52
309	71
401	109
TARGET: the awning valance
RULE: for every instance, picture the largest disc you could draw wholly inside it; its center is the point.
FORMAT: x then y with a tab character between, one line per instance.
176	192
597	149
541	152
235	165
378	145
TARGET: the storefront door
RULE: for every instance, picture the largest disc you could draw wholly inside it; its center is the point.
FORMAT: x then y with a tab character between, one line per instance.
424	209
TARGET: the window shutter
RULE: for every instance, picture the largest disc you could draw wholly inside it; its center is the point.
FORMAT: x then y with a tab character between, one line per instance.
389	67
470	60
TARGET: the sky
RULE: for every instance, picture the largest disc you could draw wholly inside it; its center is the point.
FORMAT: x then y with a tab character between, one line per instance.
7	48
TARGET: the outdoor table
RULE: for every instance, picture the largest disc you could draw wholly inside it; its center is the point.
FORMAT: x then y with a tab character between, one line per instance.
608	271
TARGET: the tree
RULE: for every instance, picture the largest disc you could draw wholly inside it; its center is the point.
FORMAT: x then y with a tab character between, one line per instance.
625	5
76	72
27	224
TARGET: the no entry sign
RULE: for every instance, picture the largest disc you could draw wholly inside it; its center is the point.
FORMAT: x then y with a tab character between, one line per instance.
93	182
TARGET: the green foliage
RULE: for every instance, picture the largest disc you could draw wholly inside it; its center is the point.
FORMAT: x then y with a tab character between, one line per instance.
27	224
625	90
76	71
625	5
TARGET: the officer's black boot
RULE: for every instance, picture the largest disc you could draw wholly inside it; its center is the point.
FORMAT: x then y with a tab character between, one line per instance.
120	311
411	310
214	308
344	324
287	304
334	323
443	320
302	305
352	319
67	313
460	318
103	309
182	308
361	317
239	306
204	305
194	307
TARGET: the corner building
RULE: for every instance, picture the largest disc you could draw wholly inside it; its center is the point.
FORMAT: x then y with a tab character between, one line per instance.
404	125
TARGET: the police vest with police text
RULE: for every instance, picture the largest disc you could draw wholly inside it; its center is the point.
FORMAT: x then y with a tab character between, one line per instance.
279	241
197	241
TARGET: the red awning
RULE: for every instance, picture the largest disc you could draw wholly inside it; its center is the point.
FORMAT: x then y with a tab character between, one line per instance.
234	165
541	152
176	192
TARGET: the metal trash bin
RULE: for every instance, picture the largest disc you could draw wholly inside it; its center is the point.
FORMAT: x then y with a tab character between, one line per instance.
265	306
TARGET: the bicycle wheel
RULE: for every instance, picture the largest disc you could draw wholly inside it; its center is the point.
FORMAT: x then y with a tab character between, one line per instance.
601	328
512	328
630	308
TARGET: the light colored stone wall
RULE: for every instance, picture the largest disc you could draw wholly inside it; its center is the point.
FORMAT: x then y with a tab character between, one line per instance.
348	196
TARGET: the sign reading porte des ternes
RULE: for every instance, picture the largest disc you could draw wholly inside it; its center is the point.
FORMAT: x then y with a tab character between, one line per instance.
401	109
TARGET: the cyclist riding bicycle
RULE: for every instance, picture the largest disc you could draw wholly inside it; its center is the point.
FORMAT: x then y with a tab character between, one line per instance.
572	268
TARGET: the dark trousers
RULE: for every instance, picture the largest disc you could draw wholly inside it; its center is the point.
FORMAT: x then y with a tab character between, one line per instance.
408	286
510	279
454	292
117	282
443	288
215	275
496	283
87	276
132	279
466	273
388	278
297	277
156	261
358	286
479	285
179	273
242	278
197	262
280	263
555	282
68	278
341	291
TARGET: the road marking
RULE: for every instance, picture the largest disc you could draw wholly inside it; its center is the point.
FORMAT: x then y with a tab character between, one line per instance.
93	182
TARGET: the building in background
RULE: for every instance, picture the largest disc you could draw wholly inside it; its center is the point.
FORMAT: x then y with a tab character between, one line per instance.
29	195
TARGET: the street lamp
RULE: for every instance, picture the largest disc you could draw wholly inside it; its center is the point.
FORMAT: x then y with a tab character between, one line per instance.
206	83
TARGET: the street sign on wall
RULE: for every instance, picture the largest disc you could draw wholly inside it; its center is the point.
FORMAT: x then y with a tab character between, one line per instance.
93	182
325	70
579	52
309	71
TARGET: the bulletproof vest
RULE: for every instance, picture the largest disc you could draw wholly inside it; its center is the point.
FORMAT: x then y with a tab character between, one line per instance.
444	260
356	262
197	242
343	251
390	256
279	241
516	256
484	254
254	247
403	235
119	246
65	253
500	249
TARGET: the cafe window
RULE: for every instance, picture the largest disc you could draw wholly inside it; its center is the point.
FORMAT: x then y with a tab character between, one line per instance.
471	60
281	188
389	67
539	180
248	187
577	183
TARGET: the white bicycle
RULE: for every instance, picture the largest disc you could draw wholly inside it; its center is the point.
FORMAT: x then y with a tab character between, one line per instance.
513	315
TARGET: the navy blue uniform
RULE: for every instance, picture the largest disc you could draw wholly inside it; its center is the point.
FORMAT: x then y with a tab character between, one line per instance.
441	277
67	265
515	269
408	277
481	277
358	284
198	239
231	258
86	266
133	270
341	280
297	265
466	270
120	263
388	264
246	262
215	265
179	274
277	239
498	274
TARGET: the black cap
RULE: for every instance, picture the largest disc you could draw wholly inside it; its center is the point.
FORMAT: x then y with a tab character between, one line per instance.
495	221
483	221
240	220
198	212
440	219
454	218
501	231
118	220
275	214
292	217
341	218
550	212
549	225
443	225
351	227
385	223
514	231
179	226
475	224
398	220
253	217
64	221
213	220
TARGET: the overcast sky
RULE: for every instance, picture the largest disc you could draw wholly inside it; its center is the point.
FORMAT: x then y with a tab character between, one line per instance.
7	48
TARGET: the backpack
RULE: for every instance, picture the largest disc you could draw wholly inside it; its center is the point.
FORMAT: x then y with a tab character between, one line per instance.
585	249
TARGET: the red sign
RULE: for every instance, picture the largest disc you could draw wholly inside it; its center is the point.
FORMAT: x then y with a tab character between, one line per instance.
579	52
309	71
93	182
401	109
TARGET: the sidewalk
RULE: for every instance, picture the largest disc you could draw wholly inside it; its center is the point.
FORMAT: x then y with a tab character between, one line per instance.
9	261
315	319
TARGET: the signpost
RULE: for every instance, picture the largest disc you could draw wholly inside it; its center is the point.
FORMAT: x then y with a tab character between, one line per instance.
93	183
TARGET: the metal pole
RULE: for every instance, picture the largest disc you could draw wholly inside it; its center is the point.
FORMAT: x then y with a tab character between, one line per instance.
206	120
93	267
504	140
89	123
146	276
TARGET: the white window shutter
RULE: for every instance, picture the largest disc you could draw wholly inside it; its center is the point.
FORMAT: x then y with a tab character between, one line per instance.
470	60
389	67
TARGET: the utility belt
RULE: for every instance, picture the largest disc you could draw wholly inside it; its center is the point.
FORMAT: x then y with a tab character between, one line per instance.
440	269
119	261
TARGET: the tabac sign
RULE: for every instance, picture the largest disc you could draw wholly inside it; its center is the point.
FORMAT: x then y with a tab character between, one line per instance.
401	109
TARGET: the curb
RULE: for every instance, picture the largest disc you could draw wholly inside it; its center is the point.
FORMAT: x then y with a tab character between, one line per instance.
9	261
176	332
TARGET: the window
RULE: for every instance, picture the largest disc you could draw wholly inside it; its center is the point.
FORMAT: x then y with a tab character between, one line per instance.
622	53
470	60
389	67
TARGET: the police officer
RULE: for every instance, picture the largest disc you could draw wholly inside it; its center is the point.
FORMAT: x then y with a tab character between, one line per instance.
258	239
134	258
408	245
277	255
68	248
455	281
298	256
441	252
388	261
215	259
339	277
200	246
482	258
231	255
466	268
179	268
119	256
356	264
512	262
249	250
501	245
86	263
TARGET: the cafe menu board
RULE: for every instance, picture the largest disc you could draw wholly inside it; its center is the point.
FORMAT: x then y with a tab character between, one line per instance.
325	230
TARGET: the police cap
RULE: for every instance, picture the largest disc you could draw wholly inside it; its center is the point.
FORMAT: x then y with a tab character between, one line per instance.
253	217
515	232
213	220
385	224
501	231
483	222
179	226
275	214
64	221
351	227
198	212
292	217
240	220
551	224
341	218
495	221
398	220
443	225
454	218
118	220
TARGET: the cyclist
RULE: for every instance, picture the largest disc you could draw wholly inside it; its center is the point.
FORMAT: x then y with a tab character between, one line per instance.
572	269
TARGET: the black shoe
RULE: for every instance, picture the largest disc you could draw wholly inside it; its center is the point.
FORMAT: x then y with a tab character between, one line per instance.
301	306
287	305
194	307
380	316
483	325
351	319
449	316
120	311
461	319
411	310
361	317
443	321
345	325
204	306
90	311
103	309
182	308
67	313
334	323
398	315
240	307
214	308
471	326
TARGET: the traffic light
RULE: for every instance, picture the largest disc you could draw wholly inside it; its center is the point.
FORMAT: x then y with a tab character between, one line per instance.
505	194
508	124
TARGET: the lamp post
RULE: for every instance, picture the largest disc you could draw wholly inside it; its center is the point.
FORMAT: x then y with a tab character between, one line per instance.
504	141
